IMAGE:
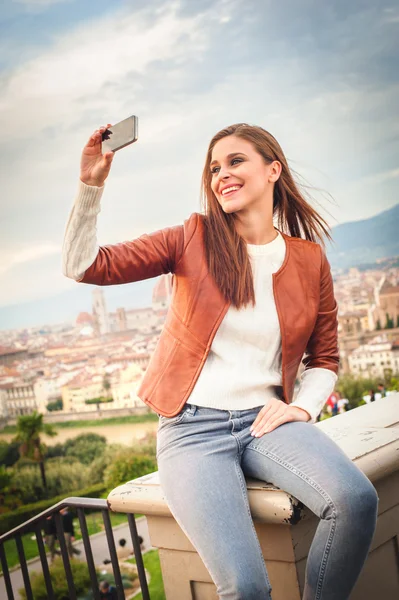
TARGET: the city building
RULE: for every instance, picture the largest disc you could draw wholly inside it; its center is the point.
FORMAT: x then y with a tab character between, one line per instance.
378	358
143	320
80	393
9	355
124	386
162	294
352	323
3	404
83	388
100	314
389	305
20	397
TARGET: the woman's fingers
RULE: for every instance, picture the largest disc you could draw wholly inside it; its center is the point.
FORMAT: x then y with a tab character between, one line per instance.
265	413
259	418
271	425
267	421
268	415
96	136
279	413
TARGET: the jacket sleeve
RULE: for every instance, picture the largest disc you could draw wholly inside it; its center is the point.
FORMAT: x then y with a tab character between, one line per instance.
148	256
322	348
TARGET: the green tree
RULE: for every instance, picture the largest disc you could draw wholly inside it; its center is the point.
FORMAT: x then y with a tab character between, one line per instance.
55	451
389	324
106	385
100	463
5	478
10	497
388	375
394	384
29	430
98	401
86	447
55	405
127	466
397	321
146	446
81	579
378	326
354	388
63	475
9	453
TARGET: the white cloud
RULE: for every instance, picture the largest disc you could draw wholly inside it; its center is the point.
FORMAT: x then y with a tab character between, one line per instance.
88	63
391	15
380	177
29	254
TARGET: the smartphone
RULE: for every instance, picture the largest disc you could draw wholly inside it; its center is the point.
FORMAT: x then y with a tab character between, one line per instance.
120	135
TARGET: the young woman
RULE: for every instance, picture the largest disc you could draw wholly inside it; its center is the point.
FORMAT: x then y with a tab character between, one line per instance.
249	301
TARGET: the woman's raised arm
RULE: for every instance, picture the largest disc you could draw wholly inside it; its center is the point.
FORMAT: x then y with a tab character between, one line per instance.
84	260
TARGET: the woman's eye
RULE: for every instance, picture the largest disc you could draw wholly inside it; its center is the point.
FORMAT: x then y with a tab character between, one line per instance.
215	170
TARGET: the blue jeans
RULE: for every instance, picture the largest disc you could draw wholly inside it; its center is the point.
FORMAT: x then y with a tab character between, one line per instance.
203	455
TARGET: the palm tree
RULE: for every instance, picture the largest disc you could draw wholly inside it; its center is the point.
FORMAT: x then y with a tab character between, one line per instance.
106	385
29	429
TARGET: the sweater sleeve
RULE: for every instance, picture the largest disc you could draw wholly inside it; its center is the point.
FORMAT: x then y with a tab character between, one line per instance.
315	387
80	246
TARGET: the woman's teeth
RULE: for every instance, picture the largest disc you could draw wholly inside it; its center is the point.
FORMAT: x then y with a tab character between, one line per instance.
231	189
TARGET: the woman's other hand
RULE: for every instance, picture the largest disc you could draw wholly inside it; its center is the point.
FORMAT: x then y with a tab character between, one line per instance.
275	413
94	165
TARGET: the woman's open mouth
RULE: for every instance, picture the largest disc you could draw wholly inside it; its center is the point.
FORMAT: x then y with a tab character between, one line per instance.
230	190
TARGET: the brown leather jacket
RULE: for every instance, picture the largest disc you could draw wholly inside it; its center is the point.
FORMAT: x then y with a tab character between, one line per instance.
303	292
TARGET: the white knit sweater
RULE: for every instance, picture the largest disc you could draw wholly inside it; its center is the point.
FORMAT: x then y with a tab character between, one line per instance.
244	362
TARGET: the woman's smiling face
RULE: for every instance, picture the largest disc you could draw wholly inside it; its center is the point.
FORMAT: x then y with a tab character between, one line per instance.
240	176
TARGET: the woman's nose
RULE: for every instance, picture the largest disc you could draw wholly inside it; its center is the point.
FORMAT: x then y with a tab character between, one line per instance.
224	174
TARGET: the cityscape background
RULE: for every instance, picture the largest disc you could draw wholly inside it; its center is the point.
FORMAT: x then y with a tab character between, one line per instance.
322	79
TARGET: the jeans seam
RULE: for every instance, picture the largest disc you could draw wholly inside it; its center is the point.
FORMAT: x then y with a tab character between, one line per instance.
246	502
324	495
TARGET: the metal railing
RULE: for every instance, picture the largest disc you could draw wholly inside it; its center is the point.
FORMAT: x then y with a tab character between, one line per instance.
36	525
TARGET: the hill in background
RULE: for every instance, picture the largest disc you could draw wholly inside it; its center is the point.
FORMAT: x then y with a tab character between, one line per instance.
365	241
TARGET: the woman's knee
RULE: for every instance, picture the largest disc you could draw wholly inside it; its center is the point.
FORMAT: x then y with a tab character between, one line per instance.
368	501
359	497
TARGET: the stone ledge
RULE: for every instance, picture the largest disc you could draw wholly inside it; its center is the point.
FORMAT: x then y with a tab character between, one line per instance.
369	435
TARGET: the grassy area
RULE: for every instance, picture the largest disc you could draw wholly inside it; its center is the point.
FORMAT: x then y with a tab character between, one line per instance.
153	566
94	522
94	422
30	547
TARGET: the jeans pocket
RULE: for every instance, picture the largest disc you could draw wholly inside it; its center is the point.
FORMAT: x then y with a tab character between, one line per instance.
188	409
172	420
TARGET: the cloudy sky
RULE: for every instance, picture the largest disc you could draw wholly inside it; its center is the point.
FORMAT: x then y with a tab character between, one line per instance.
322	77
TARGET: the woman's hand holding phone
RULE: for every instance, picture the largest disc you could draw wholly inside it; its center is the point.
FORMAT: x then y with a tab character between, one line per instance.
94	165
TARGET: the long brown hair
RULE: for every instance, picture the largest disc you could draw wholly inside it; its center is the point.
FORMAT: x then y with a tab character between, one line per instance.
226	250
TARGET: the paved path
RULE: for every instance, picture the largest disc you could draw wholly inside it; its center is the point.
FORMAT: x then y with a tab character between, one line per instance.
99	548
